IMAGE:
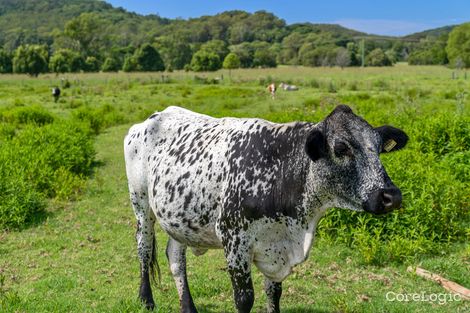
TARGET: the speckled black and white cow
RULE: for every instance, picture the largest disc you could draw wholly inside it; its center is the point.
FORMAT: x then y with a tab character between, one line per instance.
254	188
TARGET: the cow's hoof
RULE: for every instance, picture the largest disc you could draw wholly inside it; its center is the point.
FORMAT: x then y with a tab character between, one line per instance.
149	304
188	308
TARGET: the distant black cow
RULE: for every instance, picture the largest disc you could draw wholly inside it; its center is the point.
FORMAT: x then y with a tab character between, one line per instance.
56	93
251	187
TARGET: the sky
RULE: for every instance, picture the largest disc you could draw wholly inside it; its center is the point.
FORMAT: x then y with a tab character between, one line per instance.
391	17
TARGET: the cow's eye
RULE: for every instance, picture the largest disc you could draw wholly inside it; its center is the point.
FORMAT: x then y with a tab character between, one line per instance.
341	149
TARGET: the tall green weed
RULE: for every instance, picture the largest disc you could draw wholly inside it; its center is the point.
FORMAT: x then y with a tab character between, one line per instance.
40	161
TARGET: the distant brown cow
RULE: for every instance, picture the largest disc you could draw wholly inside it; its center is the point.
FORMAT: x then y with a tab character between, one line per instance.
272	89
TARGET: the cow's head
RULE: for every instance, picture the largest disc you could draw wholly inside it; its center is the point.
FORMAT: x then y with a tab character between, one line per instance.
347	169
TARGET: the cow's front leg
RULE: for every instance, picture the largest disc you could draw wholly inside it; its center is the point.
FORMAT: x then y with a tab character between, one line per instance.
273	292
176	254
238	257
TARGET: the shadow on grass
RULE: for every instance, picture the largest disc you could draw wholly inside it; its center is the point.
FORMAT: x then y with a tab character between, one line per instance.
34	220
95	165
304	310
38	219
208	308
213	309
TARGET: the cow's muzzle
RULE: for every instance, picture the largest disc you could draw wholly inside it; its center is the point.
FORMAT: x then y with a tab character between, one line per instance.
383	201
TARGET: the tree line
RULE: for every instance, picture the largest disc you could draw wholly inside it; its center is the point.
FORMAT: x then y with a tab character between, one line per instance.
91	42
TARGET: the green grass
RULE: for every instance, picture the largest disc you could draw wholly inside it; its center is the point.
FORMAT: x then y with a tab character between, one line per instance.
82	257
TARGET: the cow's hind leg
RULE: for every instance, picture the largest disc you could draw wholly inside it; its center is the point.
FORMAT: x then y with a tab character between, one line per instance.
176	254
146	247
273	292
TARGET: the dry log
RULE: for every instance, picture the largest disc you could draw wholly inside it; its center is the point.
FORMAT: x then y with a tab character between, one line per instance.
447	284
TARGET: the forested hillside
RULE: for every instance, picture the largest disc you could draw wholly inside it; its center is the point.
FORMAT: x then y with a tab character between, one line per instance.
90	35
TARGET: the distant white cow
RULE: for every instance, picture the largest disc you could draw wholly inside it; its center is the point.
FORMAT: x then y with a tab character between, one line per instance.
288	87
272	89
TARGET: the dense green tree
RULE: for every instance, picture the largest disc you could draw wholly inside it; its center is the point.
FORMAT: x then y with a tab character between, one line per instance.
245	53
317	56
353	50
130	64
87	33
240	32
205	61
120	53
59	63
400	51
176	52
231	62
111	64
264	58
218	47
377	57
148	59
92	64
31	59
290	48
65	61
429	50
266	26
6	65
431	54
458	45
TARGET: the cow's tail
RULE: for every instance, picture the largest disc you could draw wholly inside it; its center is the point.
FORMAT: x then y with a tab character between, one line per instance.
155	273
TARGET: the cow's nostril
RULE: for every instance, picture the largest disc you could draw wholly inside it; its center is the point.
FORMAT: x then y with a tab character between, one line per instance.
387	199
391	198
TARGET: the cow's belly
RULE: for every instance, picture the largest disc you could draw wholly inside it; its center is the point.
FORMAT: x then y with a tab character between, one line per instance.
201	239
189	225
281	246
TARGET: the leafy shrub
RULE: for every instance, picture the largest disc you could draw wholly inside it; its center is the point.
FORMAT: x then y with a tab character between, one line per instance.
314	83
65	61
442	136
36	153
19	202
27	115
7	131
31	59
332	87
98	118
378	58
111	65
205	61
41	161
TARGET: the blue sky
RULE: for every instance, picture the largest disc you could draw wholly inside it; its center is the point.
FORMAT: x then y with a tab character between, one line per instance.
393	17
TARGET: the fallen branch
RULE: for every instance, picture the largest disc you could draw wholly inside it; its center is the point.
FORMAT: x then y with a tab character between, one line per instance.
447	284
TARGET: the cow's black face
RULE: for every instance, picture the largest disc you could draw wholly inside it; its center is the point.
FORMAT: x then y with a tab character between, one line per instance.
347	169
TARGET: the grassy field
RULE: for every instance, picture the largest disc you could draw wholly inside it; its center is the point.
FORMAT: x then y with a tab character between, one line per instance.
81	256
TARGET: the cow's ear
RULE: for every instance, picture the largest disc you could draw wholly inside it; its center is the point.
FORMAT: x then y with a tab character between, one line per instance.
315	145
392	138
